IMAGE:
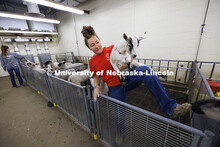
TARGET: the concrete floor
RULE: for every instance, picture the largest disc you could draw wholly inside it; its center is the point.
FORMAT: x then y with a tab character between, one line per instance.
26	121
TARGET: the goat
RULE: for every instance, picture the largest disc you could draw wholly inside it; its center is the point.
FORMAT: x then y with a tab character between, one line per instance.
210	108
122	52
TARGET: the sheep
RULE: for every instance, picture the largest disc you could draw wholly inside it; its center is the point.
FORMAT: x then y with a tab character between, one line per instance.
64	65
77	79
61	65
36	68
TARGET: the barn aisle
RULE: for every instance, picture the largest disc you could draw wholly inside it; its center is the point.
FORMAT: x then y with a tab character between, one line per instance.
26	120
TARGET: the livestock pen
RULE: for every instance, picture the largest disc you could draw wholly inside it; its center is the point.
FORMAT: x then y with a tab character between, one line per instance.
142	127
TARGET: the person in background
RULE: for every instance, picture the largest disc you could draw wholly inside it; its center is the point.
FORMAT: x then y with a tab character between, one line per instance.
101	61
9	63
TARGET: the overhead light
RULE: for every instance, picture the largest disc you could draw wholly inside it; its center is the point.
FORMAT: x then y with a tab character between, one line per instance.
57	5
18	16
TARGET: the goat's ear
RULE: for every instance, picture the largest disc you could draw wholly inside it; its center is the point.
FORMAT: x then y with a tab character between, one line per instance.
125	37
36	63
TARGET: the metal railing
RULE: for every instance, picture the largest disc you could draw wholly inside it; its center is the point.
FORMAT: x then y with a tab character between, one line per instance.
199	89
121	124
69	97
181	69
117	123
57	57
212	67
83	59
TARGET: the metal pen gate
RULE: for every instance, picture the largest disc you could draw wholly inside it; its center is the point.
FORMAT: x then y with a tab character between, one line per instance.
71	98
199	89
108	117
121	124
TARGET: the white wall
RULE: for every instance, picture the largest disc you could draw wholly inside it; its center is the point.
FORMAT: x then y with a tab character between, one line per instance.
172	27
210	45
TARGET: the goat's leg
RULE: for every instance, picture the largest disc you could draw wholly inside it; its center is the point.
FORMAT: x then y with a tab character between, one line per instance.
137	64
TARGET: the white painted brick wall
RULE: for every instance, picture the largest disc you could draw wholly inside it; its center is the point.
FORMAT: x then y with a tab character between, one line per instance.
172	27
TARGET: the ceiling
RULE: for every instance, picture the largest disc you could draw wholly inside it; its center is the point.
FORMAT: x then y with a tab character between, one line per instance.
17	6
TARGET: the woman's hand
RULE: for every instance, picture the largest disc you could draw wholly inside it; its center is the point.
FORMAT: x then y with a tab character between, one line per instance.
96	93
125	65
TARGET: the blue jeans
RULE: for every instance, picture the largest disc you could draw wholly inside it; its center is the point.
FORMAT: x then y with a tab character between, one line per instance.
151	82
17	72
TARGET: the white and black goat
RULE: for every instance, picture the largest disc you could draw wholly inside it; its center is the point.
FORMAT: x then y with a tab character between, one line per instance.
209	108
122	52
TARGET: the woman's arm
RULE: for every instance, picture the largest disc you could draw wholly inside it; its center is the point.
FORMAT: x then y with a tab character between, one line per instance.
18	56
96	87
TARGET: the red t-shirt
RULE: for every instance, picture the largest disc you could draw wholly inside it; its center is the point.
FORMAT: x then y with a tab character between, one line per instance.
102	62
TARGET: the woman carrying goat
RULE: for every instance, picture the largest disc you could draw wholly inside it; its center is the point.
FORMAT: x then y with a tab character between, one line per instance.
101	62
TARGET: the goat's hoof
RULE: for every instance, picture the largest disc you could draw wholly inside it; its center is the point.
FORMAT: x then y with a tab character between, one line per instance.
50	104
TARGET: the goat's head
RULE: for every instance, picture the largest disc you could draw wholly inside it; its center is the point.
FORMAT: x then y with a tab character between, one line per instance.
132	44
62	63
31	64
47	63
49	69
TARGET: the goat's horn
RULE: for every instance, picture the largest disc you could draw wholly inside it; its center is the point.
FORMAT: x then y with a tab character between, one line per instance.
141	38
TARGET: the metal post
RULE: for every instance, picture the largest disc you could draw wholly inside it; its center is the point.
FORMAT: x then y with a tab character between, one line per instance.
27	49
72	55
207	140
177	70
15	47
97	115
46	47
38	48
213	67
195	140
186	73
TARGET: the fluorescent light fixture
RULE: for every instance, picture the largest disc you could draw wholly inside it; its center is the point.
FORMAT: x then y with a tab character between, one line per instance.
28	32
18	16
57	5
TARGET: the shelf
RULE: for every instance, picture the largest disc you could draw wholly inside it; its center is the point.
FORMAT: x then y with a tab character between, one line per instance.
28	32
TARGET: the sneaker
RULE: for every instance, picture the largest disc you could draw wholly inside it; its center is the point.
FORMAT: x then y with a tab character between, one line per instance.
21	85
182	109
15	87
